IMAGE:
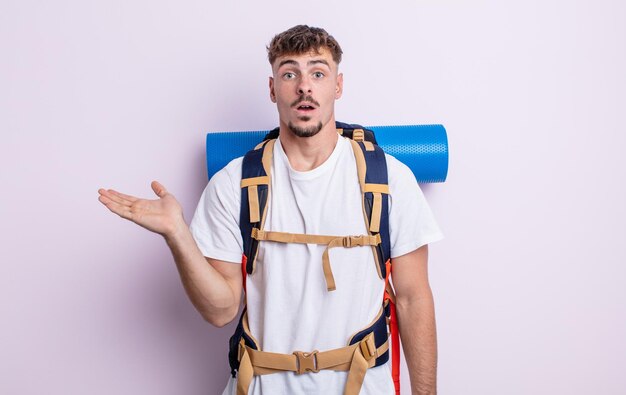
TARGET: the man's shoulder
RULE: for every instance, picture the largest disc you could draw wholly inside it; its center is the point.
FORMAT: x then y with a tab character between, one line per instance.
229	174
398	172
395	165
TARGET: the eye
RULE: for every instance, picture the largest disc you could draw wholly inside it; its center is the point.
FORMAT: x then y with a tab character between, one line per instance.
318	74
289	75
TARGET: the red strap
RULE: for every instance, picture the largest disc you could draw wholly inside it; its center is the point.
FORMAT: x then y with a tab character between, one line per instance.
395	349
395	335
244	262
388	270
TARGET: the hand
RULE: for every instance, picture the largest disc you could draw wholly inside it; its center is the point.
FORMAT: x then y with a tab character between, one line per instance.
163	216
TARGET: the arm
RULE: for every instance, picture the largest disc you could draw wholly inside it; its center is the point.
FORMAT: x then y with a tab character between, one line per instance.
214	288
416	319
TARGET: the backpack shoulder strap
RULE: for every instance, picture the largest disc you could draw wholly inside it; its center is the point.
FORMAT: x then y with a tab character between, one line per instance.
373	179
255	192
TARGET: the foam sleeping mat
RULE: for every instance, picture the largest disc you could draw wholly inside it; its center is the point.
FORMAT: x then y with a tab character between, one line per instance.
423	148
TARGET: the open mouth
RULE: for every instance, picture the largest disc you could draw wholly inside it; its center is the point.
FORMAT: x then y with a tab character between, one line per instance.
305	108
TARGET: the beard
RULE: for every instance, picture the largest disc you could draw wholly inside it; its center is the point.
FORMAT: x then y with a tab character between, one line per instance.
309	131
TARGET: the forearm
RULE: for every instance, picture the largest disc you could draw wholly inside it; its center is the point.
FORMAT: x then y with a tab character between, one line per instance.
215	294
416	322
207	289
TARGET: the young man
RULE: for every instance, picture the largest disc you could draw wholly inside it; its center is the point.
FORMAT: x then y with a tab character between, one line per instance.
314	191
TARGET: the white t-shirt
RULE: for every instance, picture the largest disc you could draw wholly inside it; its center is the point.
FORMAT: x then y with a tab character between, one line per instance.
289	307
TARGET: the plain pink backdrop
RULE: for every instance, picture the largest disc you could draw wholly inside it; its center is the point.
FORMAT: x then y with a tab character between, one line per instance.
529	282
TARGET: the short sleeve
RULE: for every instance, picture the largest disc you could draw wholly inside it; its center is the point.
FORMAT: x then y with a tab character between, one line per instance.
215	224
411	222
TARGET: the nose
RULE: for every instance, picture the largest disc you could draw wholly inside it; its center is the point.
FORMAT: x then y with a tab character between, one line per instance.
304	87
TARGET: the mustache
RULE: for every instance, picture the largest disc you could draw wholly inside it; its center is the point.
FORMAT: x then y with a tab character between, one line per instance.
305	99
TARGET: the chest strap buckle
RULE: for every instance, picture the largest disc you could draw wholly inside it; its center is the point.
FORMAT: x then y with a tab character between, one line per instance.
306	362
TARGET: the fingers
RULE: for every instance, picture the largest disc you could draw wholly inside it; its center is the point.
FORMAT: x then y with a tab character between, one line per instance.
119	203
158	188
123	210
127	206
117	197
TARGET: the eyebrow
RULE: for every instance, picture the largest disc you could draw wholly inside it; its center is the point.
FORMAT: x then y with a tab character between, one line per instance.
309	63
288	61
316	61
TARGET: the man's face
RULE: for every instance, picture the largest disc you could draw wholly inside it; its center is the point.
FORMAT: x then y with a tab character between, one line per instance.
304	88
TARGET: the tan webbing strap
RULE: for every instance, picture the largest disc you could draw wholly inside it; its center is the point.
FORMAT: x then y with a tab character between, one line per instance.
246	182
377	191
245	371
358	367
355	359
284	237
361	166
253	204
380	188
268	153
364	357
266	160
376	212
339	359
331	241
347	242
269	362
361	361
251	183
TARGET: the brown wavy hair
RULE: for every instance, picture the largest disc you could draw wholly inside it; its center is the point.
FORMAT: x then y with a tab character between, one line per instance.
303	39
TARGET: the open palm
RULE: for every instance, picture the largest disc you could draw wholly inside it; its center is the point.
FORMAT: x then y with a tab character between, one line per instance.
163	215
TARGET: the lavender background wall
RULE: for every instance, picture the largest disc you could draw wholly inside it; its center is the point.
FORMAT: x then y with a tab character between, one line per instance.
529	282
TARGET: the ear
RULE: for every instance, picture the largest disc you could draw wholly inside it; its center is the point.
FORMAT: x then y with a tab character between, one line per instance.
339	88
272	93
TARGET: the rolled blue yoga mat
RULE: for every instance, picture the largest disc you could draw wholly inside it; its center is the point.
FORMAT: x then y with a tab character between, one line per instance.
423	148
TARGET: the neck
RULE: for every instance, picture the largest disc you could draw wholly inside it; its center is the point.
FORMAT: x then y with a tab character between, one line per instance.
307	153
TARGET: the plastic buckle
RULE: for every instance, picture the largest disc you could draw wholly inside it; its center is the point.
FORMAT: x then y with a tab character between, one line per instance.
358	135
351	241
306	362
368	347
358	240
